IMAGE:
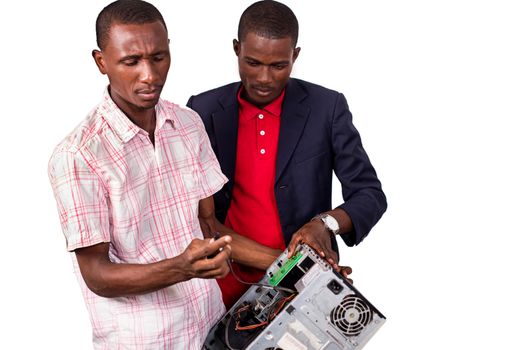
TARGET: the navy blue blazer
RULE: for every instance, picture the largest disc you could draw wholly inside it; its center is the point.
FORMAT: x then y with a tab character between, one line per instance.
316	137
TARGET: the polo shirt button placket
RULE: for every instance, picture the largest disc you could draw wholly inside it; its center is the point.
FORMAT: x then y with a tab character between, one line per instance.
262	133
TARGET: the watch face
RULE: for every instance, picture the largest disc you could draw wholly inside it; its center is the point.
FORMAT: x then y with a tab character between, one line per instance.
331	223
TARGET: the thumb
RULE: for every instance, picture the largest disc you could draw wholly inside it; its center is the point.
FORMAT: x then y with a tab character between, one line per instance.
292	246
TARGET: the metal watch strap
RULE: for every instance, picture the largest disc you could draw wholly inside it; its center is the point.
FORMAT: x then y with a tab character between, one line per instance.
324	218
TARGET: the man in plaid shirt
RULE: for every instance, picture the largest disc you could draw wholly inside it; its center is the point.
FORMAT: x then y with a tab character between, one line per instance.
129	182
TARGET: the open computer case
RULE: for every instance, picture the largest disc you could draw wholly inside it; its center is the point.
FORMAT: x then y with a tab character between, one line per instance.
301	303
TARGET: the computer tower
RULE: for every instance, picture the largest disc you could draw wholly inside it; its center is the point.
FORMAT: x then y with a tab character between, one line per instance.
301	303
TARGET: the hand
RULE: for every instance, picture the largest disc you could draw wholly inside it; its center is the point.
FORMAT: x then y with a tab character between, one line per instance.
197	260
345	271
315	234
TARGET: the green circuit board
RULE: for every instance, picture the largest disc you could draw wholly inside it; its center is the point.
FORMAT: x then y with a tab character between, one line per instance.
283	271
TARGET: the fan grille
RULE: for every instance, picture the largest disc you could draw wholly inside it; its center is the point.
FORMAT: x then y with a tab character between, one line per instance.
351	315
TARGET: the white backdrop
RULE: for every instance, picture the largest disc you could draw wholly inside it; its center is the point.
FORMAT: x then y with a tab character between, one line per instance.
436	90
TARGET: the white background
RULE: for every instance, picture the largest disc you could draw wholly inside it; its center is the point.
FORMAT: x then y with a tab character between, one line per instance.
436	90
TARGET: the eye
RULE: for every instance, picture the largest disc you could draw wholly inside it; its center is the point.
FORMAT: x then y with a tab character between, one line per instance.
159	58
252	63
130	62
279	66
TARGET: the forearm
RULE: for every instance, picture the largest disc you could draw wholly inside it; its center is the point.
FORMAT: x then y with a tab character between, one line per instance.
201	259
344	221
244	250
248	252
109	279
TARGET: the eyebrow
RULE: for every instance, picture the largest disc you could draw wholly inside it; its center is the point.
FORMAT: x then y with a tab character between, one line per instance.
130	57
272	63
161	52
280	62
136	57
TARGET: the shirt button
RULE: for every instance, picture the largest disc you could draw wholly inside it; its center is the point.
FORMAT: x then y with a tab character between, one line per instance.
260	116
262	151
262	132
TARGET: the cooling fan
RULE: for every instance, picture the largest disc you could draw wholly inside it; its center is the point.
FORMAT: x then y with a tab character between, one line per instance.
351	315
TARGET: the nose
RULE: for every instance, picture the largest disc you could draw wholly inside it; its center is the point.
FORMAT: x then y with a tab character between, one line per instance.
148	72
264	75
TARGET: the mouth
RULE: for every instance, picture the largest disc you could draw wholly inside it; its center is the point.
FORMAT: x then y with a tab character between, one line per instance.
262	91
149	94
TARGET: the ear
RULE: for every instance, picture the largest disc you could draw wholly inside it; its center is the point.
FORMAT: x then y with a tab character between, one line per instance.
296	51
99	60
236	46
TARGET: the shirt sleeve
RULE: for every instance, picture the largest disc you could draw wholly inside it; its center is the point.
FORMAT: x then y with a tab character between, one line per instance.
212	177
81	200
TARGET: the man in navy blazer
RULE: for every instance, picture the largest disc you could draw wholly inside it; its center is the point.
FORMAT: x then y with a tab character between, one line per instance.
316	137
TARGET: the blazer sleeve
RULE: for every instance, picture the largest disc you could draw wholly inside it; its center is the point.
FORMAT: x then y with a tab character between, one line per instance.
364	200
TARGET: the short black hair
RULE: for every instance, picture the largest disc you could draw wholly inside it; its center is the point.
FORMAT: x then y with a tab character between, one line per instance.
269	19
124	12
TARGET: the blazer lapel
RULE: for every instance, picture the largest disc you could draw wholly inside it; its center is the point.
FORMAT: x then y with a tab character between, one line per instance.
293	119
225	123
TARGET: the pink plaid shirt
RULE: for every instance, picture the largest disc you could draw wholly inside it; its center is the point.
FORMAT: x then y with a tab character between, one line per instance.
112	185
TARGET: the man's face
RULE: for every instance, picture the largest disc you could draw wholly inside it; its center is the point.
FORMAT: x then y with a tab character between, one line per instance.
136	60
264	66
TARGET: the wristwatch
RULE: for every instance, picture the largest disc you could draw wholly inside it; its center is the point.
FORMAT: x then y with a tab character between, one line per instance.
330	223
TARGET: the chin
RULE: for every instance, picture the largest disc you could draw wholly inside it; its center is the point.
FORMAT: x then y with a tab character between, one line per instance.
261	101
148	104
266	101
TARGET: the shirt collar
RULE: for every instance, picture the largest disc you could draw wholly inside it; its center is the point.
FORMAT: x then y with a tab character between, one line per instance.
121	125
249	110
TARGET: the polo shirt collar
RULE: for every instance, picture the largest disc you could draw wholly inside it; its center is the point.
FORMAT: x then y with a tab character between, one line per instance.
249	110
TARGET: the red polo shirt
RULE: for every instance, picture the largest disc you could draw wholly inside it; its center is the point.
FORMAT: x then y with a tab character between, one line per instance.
253	212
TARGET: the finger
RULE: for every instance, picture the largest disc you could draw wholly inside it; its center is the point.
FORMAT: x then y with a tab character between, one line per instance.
227	251
224	251
219	272
345	271
331	255
217	238
216	267
223	255
295	240
320	247
313	243
215	246
334	265
223	240
317	247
